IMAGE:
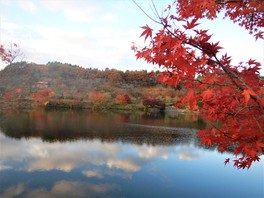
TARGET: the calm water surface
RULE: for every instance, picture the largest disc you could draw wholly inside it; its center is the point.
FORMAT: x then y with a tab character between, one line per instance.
81	154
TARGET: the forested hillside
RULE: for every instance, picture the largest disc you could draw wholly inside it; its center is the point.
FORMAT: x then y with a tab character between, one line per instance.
23	84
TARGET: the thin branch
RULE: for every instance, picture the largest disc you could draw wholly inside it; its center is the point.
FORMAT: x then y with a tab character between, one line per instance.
258	124
228	72
155	11
145	12
215	83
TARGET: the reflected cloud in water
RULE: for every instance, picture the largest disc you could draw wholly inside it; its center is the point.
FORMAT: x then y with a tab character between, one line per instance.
58	154
34	154
93	173
106	140
124	164
100	174
185	155
61	189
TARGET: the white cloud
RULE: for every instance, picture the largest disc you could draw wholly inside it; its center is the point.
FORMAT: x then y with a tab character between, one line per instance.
5	25
98	33
28	5
110	17
96	47
76	11
77	15
102	35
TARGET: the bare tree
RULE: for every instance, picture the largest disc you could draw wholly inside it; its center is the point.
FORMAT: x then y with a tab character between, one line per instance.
11	52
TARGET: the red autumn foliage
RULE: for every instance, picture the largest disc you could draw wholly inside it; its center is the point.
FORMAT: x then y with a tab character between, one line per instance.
18	90
5	56
122	99
93	96
152	102
231	96
42	95
9	53
7	96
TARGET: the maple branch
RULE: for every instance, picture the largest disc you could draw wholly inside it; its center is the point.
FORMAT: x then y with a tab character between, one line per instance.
215	83
217	61
232	76
228	72
155	10
145	12
222	132
246	107
228	1
258	124
195	45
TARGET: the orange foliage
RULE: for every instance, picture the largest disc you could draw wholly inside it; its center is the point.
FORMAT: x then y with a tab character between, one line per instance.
18	90
93	96
98	100
122	99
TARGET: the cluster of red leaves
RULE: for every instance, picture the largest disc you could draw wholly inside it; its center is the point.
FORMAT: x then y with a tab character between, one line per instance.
232	96
247	14
7	96
9	53
122	99
42	95
5	55
153	102
12	94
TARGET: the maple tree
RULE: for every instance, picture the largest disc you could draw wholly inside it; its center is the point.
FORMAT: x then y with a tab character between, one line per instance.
122	99
231	97
99	100
10	53
153	103
41	96
12	97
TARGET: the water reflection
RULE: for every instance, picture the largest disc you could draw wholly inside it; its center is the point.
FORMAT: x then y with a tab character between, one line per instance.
33	154
75	154
61	189
72	125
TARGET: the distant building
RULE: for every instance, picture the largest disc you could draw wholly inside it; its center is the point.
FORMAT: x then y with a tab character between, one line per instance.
42	84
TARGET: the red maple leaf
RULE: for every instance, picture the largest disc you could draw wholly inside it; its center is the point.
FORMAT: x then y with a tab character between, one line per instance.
191	25
227	161
247	93
207	94
147	32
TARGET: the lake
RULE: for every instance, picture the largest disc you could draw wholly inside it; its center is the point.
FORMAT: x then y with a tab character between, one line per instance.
84	154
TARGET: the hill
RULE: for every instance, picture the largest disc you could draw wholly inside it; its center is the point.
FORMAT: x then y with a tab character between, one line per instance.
26	85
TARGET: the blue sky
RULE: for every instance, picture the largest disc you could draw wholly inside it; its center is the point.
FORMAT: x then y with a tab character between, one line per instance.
99	33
